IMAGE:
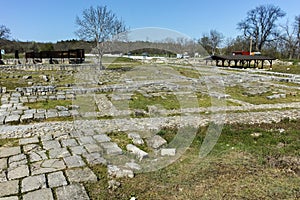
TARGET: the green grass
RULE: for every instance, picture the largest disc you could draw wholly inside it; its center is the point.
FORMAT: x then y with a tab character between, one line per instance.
168	102
120	138
238	92
188	72
293	69
48	104
239	167
9	142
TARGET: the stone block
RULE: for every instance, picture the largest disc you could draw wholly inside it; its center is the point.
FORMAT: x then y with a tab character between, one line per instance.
111	148
156	141
9	188
9	151
81	175
18	172
37	156
17	160
102	138
93	148
44	194
30	111
74	161
51	144
86	140
33	183
95	159
30	140
2	119
39	116
73	191
69	142
26	118
12	119
3	163
78	150
59	153
168	152
64	114
31	147
140	154
56	179
136	138
47	166
10	198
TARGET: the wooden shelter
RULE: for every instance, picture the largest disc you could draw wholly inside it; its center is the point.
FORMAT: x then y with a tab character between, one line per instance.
241	60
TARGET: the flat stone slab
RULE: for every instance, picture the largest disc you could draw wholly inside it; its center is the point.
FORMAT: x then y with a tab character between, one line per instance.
73	191
17	160
47	166
56	179
81	175
168	152
31	140
64	114
111	148
59	153
69	142
39	116
10	198
12	119
95	159
2	119
9	188
33	183
3	163
136	138
91	148
37	156
74	161
102	138
86	140
78	150
156	141
51	115
140	154
18	172
26	118
43	194
51	144
31	148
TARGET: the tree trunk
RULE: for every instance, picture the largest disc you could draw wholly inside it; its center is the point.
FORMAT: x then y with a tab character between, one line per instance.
100	55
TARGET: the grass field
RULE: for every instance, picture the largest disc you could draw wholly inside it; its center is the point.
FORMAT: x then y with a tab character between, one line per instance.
241	166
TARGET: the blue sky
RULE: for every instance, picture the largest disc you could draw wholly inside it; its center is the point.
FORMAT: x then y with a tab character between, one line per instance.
54	20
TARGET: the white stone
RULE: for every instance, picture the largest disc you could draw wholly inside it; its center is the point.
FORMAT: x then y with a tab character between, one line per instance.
168	152
136	151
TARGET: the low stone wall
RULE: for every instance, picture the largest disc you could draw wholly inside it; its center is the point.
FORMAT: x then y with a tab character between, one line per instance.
47	67
36	90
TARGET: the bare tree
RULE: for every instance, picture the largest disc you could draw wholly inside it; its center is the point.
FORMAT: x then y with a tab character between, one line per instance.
260	24
289	39
4	32
211	41
99	25
297	29
216	39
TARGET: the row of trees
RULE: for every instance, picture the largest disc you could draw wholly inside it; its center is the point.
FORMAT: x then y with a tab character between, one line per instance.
260	32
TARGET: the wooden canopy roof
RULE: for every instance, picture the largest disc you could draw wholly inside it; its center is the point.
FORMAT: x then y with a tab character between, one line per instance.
242	60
